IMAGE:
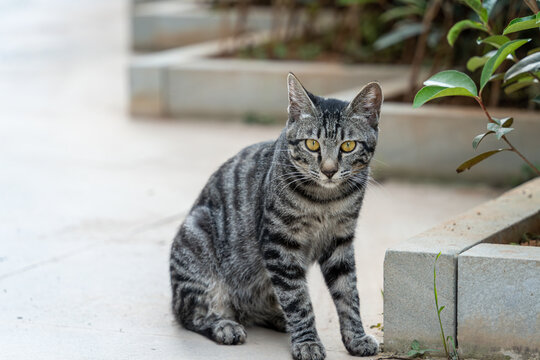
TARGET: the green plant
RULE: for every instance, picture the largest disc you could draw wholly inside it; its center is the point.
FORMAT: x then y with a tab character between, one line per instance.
524	73
417	351
452	354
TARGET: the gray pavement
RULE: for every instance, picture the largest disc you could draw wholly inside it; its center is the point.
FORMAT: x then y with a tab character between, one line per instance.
90	200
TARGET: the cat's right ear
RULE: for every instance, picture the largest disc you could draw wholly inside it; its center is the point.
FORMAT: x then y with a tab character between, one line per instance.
300	105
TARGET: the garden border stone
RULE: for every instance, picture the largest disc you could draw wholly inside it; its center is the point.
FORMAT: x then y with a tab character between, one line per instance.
409	307
498	307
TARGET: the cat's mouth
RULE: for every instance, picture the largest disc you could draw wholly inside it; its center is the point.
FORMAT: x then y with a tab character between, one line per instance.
329	183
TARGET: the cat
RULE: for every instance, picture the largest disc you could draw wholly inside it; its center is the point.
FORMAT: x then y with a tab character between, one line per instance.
267	214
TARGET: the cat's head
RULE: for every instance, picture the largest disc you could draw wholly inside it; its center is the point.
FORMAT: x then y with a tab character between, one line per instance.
329	140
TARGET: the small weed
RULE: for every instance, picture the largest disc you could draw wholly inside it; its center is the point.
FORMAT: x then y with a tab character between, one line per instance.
452	354
416	351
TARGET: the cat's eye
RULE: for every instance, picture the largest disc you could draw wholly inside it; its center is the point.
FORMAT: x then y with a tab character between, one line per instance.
348	146
312	144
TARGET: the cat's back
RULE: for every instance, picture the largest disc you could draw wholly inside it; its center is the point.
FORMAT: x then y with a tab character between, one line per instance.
235	189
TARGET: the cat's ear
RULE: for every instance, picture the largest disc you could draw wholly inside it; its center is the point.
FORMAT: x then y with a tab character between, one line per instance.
300	105
367	104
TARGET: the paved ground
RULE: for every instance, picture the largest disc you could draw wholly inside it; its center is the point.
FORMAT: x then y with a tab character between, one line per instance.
90	200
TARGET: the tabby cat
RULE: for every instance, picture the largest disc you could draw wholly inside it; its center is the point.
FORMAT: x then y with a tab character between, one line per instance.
269	213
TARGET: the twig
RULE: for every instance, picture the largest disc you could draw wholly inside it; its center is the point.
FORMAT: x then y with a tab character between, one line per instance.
512	148
532	5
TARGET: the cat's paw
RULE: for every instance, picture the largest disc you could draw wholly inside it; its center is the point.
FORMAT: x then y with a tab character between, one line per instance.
228	332
309	350
365	345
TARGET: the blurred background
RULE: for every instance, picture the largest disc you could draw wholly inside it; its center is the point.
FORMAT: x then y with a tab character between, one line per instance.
115	113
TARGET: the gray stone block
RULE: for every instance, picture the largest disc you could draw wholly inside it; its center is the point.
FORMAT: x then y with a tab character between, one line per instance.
431	142
498	306
409	303
233	88
163	25
146	83
409	309
167	24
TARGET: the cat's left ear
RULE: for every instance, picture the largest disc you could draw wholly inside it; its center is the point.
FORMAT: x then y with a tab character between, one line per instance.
367	104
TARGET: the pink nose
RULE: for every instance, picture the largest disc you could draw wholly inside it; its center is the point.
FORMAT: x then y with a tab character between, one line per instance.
329	172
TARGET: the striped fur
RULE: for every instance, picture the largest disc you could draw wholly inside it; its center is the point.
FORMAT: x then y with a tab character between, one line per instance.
266	215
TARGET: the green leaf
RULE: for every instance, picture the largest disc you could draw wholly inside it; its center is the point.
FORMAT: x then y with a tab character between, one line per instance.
495	40
415	345
452	79
401	12
528	64
521	83
477	7
441	309
445	83
533	51
505	122
501	127
495	61
458	27
398	35
428	93
478	61
413	353
475	160
524	23
478	138
502	131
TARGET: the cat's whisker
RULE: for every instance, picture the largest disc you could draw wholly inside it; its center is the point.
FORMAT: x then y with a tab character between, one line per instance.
296	180
380	162
378	185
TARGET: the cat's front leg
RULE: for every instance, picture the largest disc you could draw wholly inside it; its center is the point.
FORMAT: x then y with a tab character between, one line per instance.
287	271
338	268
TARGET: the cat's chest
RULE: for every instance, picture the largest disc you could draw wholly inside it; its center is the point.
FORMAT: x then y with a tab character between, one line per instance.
318	225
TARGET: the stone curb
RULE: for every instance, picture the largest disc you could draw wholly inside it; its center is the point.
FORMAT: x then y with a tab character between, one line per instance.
409	308
498	307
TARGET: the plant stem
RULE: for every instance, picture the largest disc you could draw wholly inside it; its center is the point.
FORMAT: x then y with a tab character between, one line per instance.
437	305
512	147
532	5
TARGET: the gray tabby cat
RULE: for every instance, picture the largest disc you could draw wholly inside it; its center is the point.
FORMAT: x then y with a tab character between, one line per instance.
269	213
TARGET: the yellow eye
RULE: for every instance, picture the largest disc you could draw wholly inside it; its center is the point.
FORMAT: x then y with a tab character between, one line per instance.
312	144
348	146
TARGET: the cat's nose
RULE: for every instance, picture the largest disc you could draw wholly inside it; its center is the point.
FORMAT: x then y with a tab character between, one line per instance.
329	168
329	173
